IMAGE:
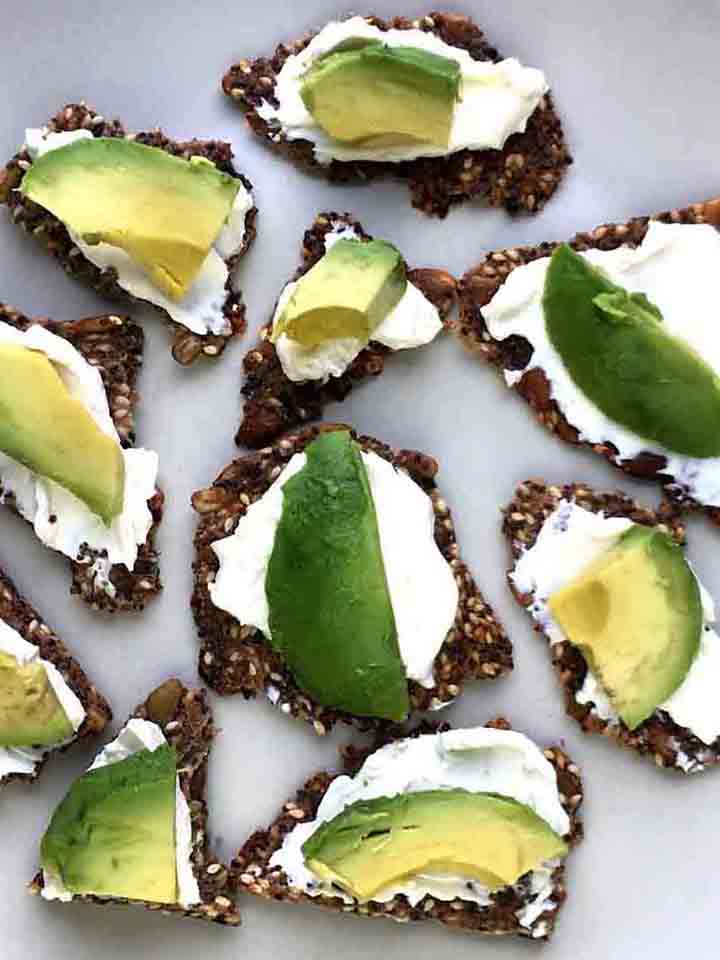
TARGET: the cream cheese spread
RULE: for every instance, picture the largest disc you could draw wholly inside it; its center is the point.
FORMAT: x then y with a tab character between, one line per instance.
422	587
414	322
480	760
570	540
24	760
497	99
136	736
61	520
201	309
676	267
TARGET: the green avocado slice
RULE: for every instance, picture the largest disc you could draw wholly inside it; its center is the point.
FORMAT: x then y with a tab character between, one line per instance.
348	293
379	95
331	616
636	616
114	833
617	351
164	211
30	713
485	837
50	432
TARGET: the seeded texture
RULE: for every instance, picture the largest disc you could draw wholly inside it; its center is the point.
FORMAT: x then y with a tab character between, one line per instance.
235	658
274	403
187	723
114	346
251	872
187	346
479	286
17	613
659	738
520	177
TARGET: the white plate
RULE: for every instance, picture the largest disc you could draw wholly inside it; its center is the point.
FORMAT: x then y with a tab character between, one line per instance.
636	85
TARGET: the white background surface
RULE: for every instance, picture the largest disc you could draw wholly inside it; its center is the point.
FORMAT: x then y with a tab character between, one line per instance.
638	88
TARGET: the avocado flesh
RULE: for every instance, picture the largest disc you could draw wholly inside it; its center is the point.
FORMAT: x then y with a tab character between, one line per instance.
114	833
383	95
30	713
47	430
331	616
348	293
376	843
163	211
636	616
617	351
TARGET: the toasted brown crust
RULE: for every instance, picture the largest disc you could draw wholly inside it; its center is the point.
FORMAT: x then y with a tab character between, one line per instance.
520	177
251	871
17	613
187	346
187	723
659	738
114	345
235	658
480	285
273	402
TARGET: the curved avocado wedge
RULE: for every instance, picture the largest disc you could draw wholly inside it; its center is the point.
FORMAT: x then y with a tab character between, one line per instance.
163	211
30	713
636	616
114	833
617	351
383	95
46	429
375	843
331	616
348	293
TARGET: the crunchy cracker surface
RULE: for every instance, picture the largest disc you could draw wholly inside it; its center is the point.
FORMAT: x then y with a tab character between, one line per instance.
187	346
520	177
236	658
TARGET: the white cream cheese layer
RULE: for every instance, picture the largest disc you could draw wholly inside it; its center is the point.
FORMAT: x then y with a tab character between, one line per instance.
201	309
421	584
24	760
676	266
414	322
61	520
136	736
480	760
497	99
570	540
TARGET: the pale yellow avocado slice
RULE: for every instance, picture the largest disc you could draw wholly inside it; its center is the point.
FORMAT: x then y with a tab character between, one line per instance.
376	843
636	616
30	713
163	211
348	293
46	429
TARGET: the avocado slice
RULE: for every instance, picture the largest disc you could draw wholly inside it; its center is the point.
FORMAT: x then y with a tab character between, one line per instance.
46	429
114	833
636	616
348	293
331	616
375	843
617	351
383	95
163	211
30	713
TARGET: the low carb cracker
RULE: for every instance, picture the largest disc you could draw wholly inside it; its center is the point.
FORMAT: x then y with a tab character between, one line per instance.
19	614
236	658
522	176
272	402
185	718
659	738
251	871
187	346
114	346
